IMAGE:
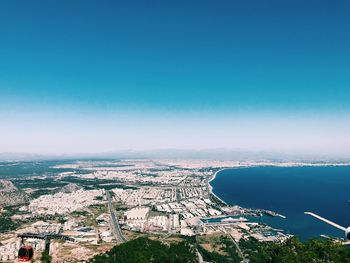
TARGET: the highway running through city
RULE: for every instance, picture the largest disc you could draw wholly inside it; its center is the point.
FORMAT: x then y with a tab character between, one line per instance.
114	221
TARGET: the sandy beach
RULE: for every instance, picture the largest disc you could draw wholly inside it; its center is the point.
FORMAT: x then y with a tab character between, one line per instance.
211	188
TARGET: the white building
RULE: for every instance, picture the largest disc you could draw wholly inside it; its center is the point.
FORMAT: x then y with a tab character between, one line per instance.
137	213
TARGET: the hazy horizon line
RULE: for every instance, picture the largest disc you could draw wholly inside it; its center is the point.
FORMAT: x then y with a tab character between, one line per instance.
178	153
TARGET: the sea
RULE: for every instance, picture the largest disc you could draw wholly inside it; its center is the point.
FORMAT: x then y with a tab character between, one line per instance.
290	191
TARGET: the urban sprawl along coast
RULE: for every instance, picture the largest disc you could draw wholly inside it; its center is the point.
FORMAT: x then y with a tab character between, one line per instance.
100	203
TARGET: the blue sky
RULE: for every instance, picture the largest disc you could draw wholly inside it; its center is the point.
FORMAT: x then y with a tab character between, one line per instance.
271	75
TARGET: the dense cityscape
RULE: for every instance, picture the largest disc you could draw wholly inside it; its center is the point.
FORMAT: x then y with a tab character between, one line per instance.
98	204
156	197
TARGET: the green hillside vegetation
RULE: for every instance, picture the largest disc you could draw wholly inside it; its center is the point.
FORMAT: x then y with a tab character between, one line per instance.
225	250
6	223
294	251
144	250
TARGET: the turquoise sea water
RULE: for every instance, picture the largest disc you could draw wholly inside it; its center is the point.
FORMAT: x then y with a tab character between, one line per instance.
291	191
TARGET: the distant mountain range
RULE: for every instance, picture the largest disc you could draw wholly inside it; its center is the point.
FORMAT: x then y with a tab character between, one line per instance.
208	154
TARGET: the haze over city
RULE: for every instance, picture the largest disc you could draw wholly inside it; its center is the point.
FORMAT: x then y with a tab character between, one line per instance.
141	76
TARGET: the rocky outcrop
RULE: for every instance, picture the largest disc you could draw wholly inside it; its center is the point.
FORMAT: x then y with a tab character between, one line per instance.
70	188
11	195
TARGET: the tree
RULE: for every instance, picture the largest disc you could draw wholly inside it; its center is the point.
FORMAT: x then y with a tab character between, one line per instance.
45	257
144	250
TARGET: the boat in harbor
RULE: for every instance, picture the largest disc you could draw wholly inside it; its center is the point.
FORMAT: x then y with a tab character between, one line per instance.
231	219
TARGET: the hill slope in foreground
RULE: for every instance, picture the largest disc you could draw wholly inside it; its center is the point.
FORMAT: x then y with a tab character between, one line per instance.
144	250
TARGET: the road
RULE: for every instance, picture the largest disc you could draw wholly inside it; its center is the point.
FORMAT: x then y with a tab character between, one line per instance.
114	221
200	258
240	253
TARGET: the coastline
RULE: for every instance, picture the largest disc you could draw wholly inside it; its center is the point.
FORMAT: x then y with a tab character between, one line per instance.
210	187
284	165
289	220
